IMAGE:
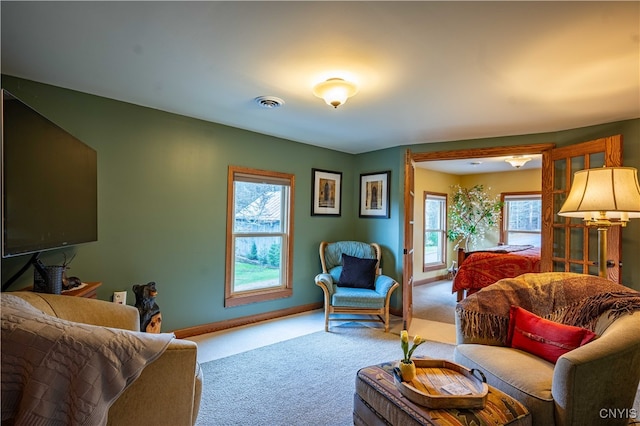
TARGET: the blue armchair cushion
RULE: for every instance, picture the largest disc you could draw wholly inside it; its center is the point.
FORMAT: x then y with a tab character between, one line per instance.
357	298
358	272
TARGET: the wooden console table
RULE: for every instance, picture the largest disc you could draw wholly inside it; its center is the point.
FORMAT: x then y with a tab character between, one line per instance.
88	291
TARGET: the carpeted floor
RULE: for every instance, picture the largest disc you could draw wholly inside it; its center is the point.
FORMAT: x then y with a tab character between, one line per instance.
434	302
307	381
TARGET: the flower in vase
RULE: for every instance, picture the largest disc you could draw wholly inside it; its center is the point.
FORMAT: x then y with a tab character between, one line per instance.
404	344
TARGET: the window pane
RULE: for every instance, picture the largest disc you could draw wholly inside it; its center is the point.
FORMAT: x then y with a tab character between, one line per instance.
523	219
433	215
596	160
258	207
560	169
559	248
434	229
558	201
576	268
433	247
257	263
576	243
524	215
517	238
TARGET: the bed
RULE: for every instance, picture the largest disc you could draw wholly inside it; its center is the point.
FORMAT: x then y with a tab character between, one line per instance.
481	268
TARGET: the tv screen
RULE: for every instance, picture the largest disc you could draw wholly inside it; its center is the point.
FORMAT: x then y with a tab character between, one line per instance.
49	183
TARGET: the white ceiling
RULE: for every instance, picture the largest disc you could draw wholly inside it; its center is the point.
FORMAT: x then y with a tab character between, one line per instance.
473	166
426	71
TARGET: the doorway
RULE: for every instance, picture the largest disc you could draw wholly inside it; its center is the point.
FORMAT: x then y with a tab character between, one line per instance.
467	154
558	252
435	254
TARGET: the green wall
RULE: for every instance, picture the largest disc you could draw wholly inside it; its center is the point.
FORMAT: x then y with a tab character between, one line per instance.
162	203
162	197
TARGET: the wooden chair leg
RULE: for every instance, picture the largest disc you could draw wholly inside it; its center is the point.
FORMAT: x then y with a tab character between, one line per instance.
386	320
326	319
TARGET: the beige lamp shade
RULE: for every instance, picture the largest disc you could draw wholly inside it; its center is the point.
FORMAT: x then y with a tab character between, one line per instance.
612	190
335	91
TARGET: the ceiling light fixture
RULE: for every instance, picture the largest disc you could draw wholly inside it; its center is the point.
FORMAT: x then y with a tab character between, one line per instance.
335	91
518	161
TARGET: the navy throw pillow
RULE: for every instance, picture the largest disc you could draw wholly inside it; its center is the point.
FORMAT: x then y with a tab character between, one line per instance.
358	272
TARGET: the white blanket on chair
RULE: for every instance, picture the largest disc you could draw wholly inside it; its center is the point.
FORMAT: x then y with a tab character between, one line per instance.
58	372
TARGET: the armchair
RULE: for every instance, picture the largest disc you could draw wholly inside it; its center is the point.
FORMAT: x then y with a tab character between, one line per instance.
585	384
344	292
168	389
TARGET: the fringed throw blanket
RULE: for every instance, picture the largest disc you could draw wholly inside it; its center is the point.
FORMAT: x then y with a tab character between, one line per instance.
57	372
567	298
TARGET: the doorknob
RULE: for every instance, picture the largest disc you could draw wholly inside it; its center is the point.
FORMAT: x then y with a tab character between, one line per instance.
611	264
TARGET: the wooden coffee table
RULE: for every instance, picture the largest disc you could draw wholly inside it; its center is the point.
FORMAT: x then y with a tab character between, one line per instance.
378	402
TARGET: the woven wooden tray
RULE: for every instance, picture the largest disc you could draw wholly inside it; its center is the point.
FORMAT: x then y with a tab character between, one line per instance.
432	375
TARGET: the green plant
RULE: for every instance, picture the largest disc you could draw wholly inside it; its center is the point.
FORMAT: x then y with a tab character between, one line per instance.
471	213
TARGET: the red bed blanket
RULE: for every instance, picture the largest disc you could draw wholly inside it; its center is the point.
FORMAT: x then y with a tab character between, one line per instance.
483	268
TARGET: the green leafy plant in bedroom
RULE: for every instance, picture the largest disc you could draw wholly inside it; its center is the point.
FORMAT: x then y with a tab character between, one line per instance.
471	214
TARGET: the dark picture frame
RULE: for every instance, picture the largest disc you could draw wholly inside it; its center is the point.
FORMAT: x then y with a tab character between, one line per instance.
374	195
326	193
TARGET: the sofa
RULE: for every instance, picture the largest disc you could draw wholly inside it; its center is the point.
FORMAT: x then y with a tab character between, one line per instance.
592	384
168	388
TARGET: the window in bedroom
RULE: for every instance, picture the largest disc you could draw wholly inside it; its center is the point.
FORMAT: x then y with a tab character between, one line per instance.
259	236
435	237
522	218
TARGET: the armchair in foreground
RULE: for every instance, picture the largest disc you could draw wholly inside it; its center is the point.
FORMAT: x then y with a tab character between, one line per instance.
352	283
98	368
541	357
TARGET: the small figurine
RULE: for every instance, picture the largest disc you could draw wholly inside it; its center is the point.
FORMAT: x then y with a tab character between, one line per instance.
150	316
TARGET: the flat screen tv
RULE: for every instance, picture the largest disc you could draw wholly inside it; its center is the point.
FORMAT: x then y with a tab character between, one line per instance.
49	183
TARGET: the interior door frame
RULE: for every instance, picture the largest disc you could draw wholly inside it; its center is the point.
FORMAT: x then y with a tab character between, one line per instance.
458	154
408	245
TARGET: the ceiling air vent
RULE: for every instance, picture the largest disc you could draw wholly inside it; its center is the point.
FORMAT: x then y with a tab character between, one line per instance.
269	101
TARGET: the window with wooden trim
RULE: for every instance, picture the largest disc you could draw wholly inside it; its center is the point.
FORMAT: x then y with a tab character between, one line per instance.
435	232
521	218
259	236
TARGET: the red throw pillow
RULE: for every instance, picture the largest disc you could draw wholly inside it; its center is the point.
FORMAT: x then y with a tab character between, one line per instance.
544	338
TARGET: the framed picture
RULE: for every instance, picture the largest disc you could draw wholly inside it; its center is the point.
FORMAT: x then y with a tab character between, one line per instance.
326	193
374	195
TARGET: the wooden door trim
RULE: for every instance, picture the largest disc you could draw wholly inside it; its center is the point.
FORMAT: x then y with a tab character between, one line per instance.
408	241
482	152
